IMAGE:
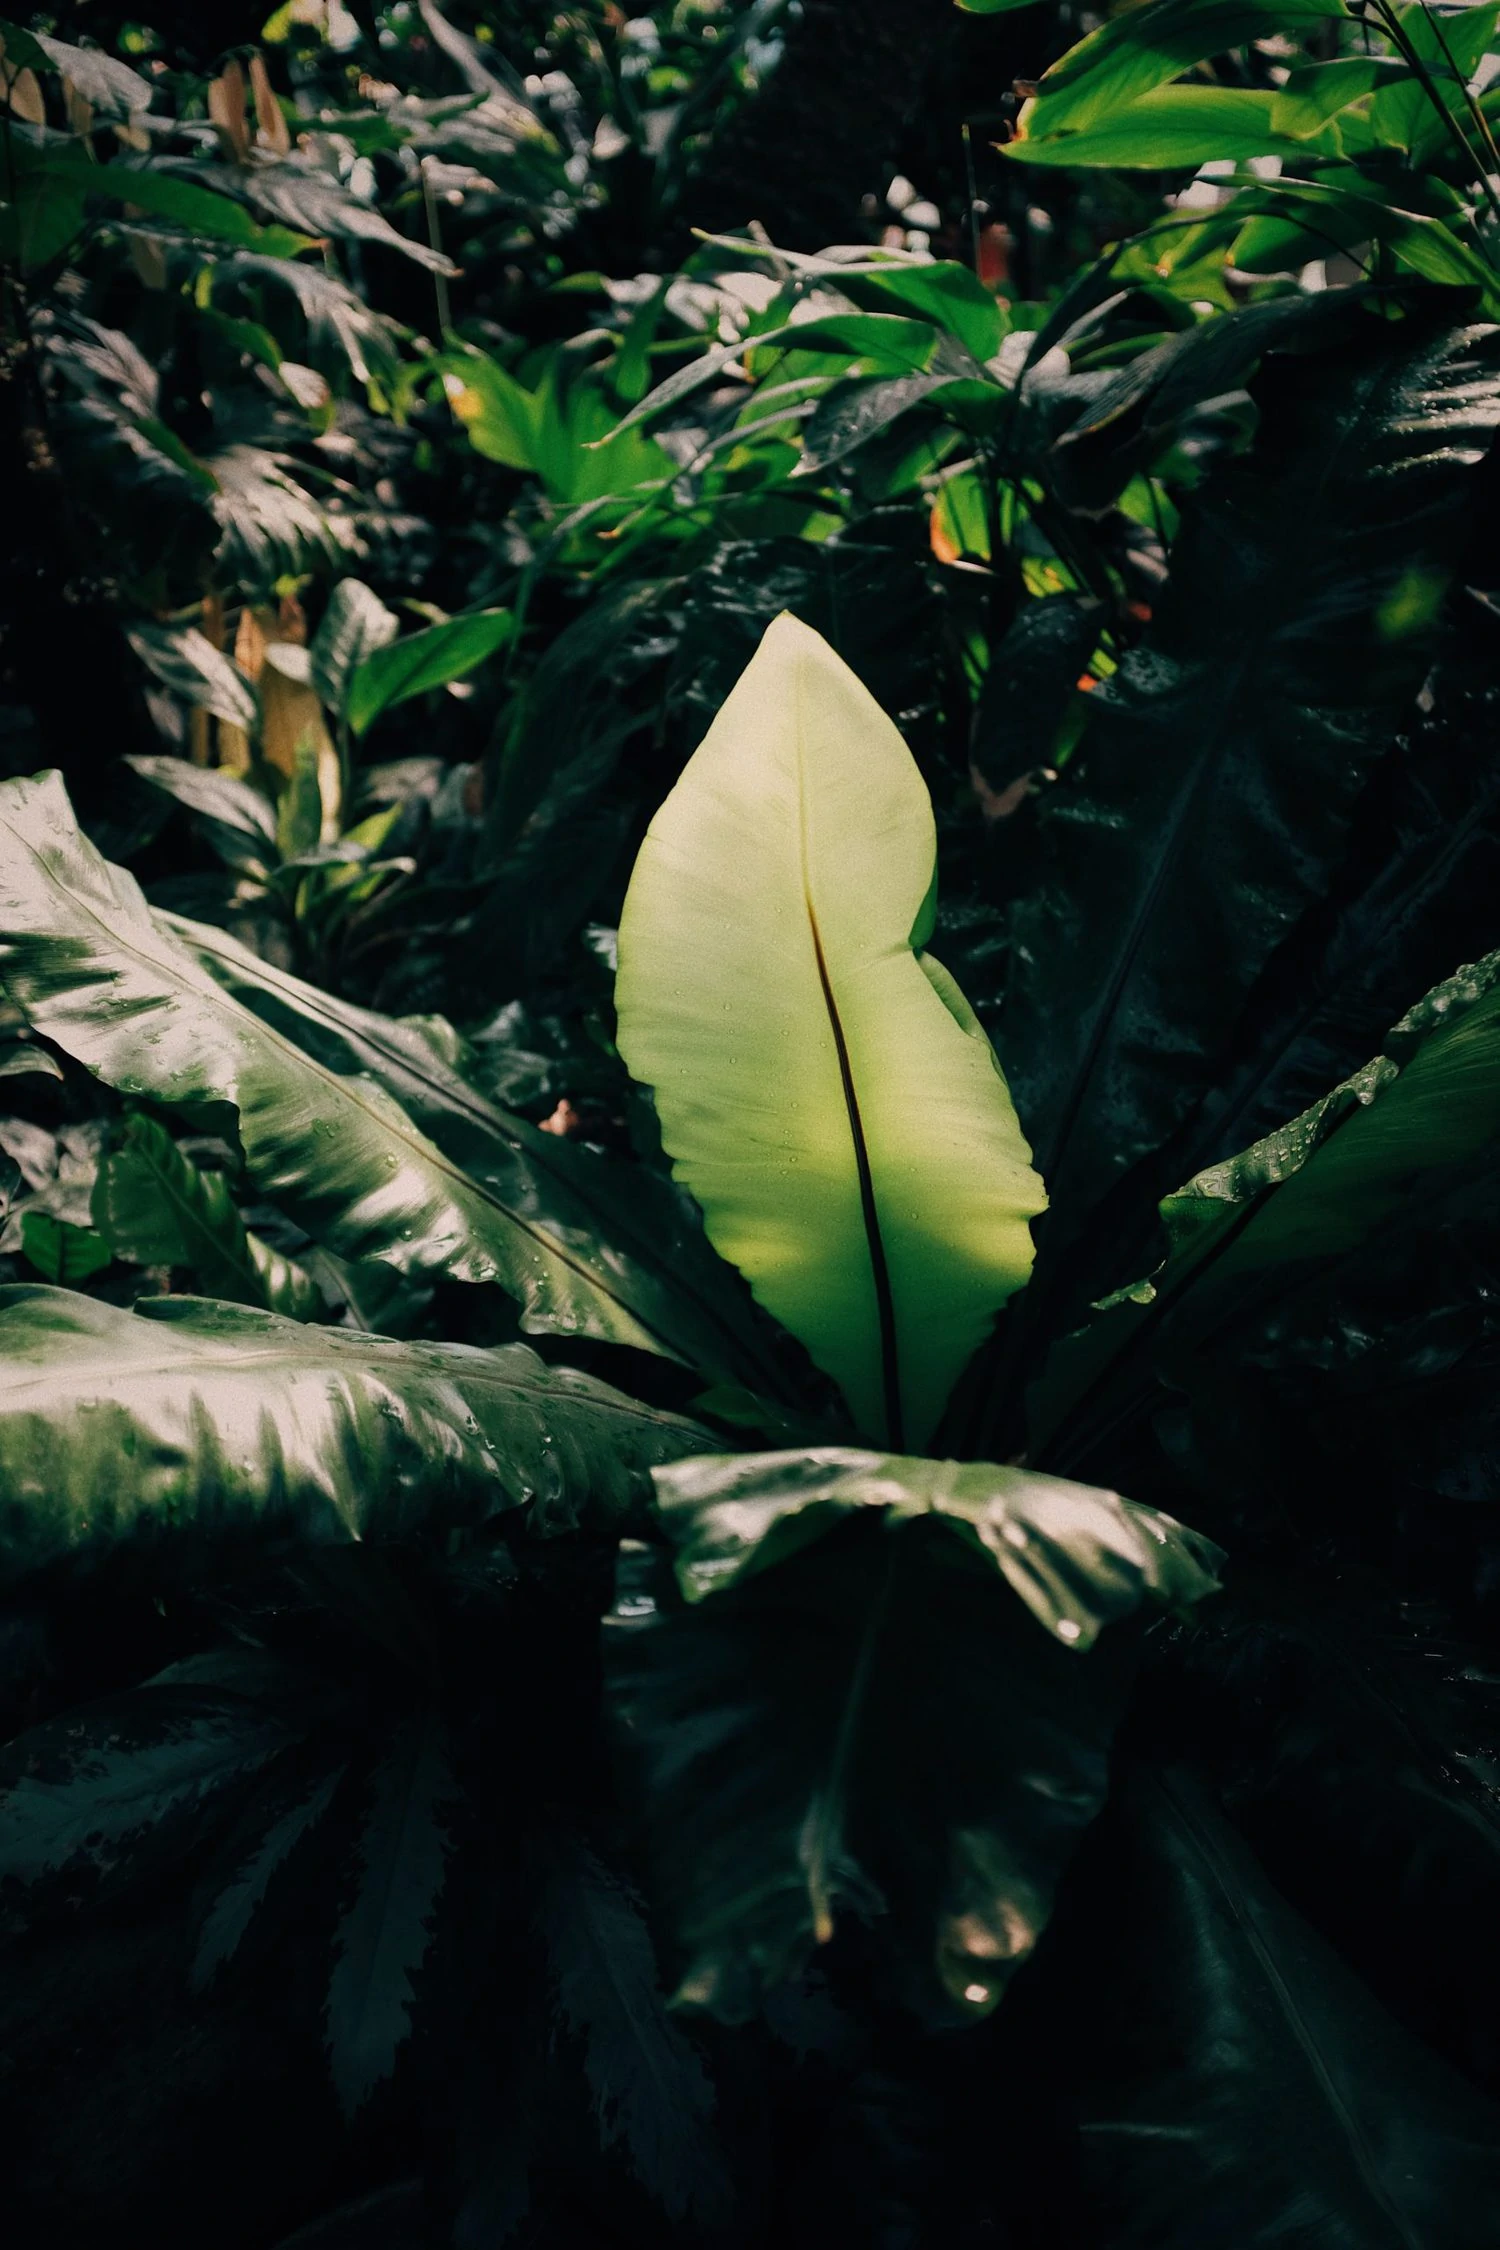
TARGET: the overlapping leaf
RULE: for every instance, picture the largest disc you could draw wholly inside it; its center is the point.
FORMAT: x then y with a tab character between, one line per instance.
863	1717
199	1427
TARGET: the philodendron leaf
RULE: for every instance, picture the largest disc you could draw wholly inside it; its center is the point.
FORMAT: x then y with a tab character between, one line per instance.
824	1089
862	1715
153	1205
199	1425
94	970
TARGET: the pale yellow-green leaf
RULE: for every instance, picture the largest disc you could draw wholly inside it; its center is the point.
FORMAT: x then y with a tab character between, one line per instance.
824	1090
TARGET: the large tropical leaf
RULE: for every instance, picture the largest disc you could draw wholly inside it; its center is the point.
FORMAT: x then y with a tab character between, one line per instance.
83	956
1246	1231
1237	2083
638	1234
839	1703
1209	801
209	1424
824	1089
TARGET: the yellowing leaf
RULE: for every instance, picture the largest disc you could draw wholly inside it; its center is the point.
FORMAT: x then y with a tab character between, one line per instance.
824	1089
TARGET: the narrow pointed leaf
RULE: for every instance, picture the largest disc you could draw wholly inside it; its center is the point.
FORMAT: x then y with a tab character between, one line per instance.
862	1717
824	1091
84	958
383	1938
197	1427
230	1916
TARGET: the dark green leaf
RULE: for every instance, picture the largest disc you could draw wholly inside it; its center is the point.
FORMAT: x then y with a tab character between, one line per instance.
60	1251
234	1909
154	1206
383	1938
342	1157
650	2089
77	1792
188	663
424	660
1237	2084
862	1715
652	1253
239	821
355	624
1309	1193
208	1424
1208	802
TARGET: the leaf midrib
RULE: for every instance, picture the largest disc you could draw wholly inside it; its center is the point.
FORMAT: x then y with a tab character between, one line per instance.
880	1277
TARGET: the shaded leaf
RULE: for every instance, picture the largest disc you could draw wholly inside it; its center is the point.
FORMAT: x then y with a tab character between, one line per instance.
1208	802
863	1718
650	2088
392	673
153	1205
383	1937
341	1155
227	1920
1238	2083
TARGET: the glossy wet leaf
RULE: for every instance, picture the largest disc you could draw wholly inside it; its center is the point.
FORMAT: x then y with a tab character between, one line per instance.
191	1427
823	1088
857	1685
645	1245
84	957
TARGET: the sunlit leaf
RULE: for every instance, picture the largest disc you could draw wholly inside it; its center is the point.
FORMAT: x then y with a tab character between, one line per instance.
823	1088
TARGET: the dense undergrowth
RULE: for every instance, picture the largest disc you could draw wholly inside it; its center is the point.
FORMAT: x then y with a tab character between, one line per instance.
728	1767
